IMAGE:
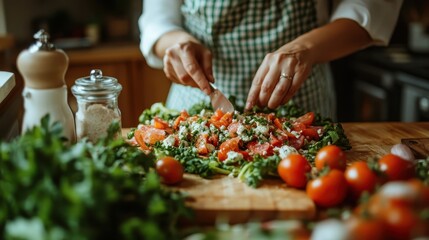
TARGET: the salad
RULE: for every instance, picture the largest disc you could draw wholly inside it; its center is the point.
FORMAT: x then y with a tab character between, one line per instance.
246	145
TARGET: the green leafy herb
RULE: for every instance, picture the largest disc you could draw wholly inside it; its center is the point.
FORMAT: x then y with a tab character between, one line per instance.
106	190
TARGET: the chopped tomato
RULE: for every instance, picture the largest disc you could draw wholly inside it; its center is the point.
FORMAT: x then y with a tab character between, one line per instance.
220	119
201	144
297	143
227	146
182	117
278	123
297	126
275	141
232	128
160	123
148	135
138	136
306	119
246	155
264	149
310	133
214	140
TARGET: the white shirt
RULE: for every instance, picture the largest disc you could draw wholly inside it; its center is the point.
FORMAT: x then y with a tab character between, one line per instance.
377	17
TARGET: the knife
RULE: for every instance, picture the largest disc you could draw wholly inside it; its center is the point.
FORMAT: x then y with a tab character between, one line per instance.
219	100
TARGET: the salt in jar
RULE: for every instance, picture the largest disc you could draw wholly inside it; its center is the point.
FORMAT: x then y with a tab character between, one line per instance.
97	99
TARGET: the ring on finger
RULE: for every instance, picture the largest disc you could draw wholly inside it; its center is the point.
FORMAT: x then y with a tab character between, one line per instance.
284	75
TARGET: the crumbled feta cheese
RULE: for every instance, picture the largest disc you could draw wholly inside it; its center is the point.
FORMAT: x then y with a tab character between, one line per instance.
241	129
319	131
183	132
199	128
169	141
233	157
285	151
261	129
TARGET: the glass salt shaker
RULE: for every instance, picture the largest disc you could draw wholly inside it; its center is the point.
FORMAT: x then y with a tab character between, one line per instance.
97	99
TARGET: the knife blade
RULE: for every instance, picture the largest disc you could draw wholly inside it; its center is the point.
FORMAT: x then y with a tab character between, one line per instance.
219	100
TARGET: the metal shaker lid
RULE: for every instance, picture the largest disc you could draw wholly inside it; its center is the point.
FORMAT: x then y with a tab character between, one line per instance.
96	85
42	42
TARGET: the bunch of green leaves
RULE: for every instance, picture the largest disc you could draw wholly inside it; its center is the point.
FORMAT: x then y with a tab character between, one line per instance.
106	190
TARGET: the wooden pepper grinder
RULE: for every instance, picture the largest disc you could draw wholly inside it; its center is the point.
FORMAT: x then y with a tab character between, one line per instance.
43	68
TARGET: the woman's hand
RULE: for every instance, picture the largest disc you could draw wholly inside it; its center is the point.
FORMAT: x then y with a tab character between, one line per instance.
189	63
280	76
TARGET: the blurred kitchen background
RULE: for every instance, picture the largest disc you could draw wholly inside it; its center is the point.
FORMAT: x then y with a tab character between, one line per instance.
377	84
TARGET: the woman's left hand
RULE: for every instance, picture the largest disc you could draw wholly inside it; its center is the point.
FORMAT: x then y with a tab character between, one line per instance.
280	75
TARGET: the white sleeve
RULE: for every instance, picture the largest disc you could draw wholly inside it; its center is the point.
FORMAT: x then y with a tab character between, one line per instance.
158	18
378	17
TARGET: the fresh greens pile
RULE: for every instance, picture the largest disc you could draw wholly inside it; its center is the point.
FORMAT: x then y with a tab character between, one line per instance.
250	172
106	190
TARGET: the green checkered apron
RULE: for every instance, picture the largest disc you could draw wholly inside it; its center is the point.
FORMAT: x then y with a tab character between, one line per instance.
240	33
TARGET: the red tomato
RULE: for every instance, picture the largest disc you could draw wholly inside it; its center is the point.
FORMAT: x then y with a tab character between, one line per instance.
220	118
264	149
228	145
311	133
402	223
307	119
182	117
331	156
159	123
396	168
297	143
201	144
293	170
275	141
365	228
360	178
170	170
328	190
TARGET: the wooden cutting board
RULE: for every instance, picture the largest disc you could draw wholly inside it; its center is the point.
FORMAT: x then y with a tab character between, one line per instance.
419	146
226	198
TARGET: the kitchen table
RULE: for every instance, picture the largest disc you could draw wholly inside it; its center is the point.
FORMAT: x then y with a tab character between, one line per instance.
226	197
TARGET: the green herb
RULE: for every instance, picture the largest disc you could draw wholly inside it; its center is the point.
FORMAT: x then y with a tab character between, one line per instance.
106	190
159	110
252	173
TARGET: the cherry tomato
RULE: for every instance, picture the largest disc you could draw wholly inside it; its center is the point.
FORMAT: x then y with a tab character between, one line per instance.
396	168
365	228
402	223
307	119
170	170
293	170
331	156
328	190
227	146
360	178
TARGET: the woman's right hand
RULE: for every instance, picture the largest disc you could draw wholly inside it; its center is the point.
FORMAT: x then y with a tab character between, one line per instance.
189	63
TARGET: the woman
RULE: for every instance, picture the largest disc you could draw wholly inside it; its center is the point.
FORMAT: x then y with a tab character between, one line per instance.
262	52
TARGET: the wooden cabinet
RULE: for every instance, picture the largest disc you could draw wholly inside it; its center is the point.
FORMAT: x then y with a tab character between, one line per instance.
142	85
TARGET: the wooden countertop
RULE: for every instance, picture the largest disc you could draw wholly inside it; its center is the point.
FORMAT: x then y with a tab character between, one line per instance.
376	139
